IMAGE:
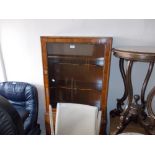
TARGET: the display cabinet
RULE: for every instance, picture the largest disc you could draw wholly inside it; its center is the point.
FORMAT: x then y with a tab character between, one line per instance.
76	70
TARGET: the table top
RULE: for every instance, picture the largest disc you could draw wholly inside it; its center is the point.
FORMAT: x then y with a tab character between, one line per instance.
137	53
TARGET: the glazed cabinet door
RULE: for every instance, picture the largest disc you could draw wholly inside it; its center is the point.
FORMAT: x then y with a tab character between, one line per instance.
76	71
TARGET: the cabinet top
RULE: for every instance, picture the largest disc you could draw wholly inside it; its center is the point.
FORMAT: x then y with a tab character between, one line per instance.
137	53
77	39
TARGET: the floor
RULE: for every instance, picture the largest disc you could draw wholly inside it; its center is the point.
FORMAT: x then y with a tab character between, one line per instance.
132	126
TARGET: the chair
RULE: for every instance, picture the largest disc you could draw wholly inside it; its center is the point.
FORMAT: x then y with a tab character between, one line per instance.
77	119
10	121
24	98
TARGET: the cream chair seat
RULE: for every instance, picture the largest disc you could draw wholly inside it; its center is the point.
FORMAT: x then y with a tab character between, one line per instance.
77	119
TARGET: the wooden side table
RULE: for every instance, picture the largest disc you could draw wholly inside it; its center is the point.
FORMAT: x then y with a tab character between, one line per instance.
138	108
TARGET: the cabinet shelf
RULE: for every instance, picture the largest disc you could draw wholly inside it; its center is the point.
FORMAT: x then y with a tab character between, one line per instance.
73	84
76	89
65	94
75	73
76	60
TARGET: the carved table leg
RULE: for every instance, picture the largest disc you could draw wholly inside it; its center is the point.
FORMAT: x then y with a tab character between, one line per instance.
136	111
143	101
127	113
147	120
149	123
120	101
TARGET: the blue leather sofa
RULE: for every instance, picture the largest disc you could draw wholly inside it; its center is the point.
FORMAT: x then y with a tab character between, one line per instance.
24	98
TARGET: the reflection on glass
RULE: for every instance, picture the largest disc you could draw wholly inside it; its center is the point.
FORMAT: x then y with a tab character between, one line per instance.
76	72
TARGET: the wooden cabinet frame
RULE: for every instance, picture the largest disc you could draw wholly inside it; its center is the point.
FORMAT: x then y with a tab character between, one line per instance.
107	41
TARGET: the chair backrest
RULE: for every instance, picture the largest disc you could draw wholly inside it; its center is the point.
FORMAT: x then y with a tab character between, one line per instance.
77	119
10	121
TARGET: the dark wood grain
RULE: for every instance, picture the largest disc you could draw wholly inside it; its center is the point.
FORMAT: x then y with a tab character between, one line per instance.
144	54
138	108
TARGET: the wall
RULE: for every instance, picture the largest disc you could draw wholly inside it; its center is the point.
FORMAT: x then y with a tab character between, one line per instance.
3	76
20	44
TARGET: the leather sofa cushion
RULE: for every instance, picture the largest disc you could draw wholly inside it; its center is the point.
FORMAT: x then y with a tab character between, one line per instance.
23	113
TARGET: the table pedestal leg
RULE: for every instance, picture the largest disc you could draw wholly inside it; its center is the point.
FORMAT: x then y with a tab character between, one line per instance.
149	123
134	111
120	102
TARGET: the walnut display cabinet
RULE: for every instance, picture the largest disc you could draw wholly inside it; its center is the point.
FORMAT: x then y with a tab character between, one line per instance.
76	70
